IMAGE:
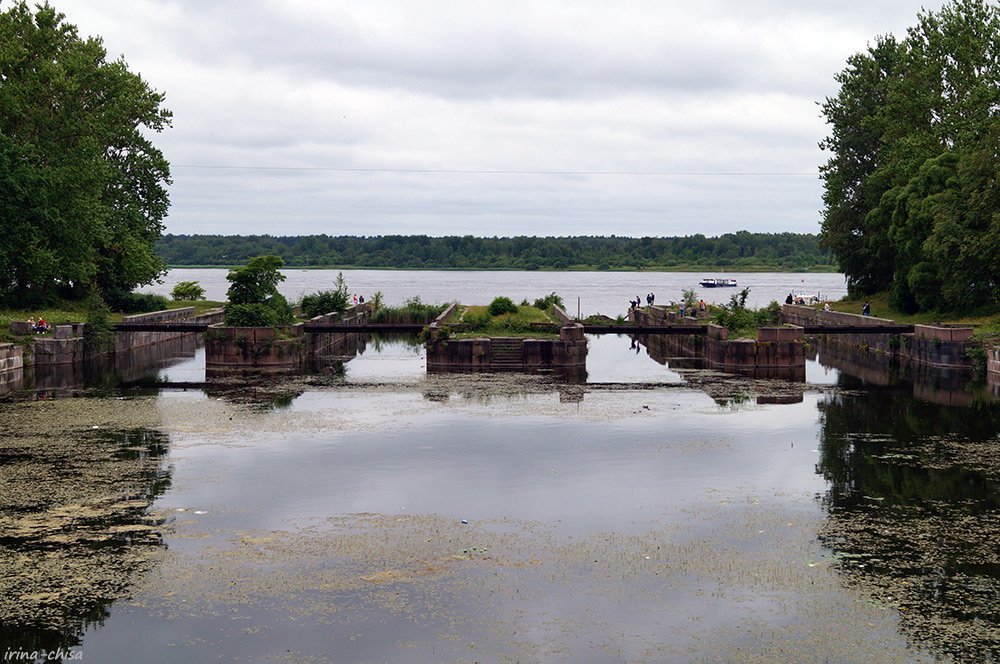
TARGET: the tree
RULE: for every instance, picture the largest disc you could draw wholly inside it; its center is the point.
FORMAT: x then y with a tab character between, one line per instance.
188	290
913	144
83	189
254	300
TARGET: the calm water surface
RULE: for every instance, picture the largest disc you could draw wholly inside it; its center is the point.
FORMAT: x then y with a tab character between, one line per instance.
589	292
654	513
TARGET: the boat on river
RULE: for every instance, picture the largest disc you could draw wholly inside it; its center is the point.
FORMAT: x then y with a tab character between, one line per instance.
710	282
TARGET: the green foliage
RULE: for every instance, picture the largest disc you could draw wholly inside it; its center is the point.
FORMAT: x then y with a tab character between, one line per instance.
741	321
690	299
250	315
327	301
552	299
188	290
502	305
477	319
82	188
522	320
324	302
138	303
912	186
742	250
413	311
253	294
98	334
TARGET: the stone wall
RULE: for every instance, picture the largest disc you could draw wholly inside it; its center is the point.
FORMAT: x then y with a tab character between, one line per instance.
237	350
933	345
127	341
11	367
568	352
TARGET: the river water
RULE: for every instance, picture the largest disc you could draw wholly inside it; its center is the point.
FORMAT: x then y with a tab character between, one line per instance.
584	292
654	513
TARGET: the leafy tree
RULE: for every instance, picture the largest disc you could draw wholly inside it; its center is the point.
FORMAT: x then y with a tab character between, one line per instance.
909	194
188	290
253	295
82	187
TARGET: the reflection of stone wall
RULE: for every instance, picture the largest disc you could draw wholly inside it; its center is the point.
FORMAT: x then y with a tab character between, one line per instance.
776	353
930	383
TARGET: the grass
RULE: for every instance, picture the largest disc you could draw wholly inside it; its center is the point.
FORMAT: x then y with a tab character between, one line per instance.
528	321
986	320
68	311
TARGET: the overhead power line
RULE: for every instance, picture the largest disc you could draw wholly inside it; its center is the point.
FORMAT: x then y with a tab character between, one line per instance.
471	171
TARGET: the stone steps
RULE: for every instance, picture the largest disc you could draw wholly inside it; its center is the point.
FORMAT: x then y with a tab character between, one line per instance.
506	353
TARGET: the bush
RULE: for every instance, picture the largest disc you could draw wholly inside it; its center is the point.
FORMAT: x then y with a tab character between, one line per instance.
324	302
98	335
544	303
502	305
140	303
250	315
188	290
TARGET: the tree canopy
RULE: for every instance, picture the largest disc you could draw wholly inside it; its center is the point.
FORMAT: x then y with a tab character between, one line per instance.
911	190
82	188
253	297
739	251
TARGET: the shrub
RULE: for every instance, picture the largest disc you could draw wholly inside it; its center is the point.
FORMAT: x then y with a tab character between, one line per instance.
139	303
98	335
544	303
188	290
250	315
502	305
324	302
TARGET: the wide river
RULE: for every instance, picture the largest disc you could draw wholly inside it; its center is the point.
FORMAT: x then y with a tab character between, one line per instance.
655	512
587	292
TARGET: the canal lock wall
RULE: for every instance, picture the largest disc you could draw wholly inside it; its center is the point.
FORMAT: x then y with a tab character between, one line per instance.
283	349
777	352
567	354
931	345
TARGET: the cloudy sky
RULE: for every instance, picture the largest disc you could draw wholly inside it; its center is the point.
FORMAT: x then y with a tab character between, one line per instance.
523	117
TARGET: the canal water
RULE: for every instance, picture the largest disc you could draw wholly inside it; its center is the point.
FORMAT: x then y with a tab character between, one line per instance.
654	512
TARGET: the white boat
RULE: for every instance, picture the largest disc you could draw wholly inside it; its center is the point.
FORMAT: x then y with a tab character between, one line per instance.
805	297
710	282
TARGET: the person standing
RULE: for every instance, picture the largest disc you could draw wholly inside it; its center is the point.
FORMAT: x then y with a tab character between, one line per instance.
867	309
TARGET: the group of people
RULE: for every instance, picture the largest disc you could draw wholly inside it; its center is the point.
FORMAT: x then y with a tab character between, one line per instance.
38	326
637	302
692	310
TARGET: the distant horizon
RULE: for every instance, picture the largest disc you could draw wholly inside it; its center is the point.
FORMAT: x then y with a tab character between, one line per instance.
484	237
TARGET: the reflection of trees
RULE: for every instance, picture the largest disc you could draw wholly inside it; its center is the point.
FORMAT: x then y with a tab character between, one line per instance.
914	512
75	528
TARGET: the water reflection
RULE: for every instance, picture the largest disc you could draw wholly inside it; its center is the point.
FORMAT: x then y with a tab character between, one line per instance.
915	511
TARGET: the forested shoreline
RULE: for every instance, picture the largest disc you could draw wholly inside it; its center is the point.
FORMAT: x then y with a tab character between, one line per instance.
741	251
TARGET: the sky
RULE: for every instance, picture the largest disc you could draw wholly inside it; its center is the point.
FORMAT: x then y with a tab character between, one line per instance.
488	118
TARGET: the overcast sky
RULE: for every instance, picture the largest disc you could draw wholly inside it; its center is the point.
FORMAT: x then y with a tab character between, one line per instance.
535	117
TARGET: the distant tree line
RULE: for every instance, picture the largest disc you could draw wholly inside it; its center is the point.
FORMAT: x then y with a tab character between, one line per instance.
736	251
912	187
